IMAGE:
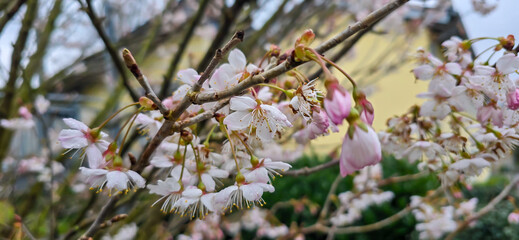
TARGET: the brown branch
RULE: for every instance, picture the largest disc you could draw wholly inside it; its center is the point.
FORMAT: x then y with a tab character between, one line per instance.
132	65
35	61
307	171
165	129
7	110
288	65
110	48
318	227
10	13
486	209
96	225
181	48
229	16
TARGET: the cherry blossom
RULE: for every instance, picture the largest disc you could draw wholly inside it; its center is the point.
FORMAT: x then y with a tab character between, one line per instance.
117	180
249	113
359	150
82	137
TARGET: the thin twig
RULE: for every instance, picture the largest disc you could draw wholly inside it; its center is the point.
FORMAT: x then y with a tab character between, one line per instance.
10	13
229	16
486	209
110	48
94	227
165	129
181	48
307	171
326	205
131	64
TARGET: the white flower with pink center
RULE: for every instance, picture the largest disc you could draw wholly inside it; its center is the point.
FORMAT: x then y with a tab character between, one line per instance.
118	179
170	190
250	113
82	137
195	203
265	170
245	195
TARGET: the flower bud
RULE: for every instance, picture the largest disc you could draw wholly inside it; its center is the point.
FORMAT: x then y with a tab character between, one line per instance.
360	148
337	103
147	104
306	38
275	51
508	42
512	99
304	41
186	136
368	113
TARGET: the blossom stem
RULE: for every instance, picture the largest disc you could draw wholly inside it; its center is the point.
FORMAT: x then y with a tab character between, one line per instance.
115	114
245	144
481	53
342	71
491	55
183	166
273	86
463	114
222	126
319	59
206	142
478	144
124	125
127	131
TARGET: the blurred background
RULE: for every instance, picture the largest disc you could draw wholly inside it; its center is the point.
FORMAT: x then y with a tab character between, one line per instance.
55	49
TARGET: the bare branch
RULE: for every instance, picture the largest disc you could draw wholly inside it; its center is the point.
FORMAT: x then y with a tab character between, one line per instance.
307	171
288	65
110	48
131	64
95	226
229	16
10	13
181	48
486	209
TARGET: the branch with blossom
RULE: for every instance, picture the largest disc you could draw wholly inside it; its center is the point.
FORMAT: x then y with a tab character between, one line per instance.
221	140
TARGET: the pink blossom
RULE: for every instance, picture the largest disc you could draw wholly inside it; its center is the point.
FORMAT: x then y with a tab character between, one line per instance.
513	99
368	113
359	151
491	113
337	103
24	112
80	136
513	218
318	126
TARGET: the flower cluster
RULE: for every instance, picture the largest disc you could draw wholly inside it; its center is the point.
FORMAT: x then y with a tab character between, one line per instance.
469	120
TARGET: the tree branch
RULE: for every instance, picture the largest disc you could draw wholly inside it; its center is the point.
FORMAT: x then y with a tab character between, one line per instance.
288	65
486	209
165	129
307	171
181	49
110	48
229	15
10	13
95	226
132	65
